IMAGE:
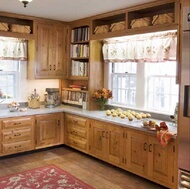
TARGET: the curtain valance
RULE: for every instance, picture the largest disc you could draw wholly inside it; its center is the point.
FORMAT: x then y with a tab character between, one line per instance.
142	48
13	49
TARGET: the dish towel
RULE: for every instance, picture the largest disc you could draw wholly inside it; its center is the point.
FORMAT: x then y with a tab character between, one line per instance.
164	136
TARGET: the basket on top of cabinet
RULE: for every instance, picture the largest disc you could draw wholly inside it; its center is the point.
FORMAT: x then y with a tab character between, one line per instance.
4	26
163	18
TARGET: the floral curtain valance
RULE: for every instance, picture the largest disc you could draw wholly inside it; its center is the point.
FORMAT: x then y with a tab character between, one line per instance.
13	49
142	48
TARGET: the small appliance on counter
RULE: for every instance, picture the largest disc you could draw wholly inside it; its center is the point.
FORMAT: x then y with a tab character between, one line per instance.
34	100
52	98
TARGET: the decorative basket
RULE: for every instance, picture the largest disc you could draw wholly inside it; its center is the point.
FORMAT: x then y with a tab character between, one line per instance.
20	28
141	22
163	18
4	26
102	29
34	103
117	26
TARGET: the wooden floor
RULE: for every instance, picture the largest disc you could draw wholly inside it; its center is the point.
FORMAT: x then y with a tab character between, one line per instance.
91	170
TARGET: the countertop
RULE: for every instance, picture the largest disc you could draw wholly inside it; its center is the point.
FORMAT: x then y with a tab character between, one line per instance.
97	115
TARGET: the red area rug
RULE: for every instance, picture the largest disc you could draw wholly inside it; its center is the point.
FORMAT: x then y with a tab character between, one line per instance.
48	177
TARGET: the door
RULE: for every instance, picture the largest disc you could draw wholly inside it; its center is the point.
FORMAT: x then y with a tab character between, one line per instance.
161	161
97	137
60	61
114	135
45	49
138	159
48	129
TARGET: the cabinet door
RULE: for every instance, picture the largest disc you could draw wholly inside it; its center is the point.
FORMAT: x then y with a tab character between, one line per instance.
48	129
45	50
97	137
114	135
138	152
60	61
161	161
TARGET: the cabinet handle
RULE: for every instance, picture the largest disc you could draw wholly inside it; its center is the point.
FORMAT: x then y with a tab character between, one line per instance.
58	122
17	123
107	134
50	66
17	134
75	121
145	147
150	145
54	67
103	132
18	146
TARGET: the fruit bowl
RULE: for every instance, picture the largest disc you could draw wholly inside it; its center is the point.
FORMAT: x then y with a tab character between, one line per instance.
13	108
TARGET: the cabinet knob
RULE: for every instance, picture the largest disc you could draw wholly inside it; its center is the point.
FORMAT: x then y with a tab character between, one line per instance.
54	67
50	67
150	146
145	146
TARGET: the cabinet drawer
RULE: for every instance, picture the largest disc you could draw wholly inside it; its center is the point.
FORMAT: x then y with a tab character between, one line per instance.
75	120
8	148
17	122
73	130
76	143
19	134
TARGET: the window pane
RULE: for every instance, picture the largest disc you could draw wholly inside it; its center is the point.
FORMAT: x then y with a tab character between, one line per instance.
8	78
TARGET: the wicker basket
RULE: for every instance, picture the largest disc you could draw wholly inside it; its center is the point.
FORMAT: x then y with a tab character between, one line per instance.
163	19
20	28
141	22
102	29
117	26
4	26
34	103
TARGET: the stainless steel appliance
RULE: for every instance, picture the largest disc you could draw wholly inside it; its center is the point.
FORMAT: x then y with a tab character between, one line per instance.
52	98
184	108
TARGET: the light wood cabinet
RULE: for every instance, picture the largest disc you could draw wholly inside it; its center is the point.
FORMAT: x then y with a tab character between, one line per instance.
51	51
76	132
17	135
106	142
49	130
149	159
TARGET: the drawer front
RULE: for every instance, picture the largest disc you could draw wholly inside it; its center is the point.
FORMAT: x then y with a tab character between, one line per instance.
19	134
17	122
9	148
73	130
75	120
76	143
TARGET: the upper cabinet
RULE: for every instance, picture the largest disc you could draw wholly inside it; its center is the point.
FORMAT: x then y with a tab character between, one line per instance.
12	25
149	17
51	50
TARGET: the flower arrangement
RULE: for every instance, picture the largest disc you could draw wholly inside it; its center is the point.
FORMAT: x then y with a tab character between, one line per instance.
101	96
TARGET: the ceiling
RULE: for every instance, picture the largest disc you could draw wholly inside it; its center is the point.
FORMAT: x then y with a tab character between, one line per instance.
66	10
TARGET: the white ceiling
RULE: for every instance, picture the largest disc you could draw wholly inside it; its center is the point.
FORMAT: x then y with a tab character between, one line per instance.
66	10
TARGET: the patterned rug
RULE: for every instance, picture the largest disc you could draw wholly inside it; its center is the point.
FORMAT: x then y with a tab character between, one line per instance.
48	177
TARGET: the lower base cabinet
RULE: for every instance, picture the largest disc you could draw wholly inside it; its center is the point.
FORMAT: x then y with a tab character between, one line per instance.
49	130
106	142
135	151
76	132
149	159
17	135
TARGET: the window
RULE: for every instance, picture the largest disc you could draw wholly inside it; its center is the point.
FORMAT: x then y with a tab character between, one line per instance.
9	72
146	86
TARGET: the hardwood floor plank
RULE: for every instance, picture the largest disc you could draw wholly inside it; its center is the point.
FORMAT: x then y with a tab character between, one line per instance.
95	172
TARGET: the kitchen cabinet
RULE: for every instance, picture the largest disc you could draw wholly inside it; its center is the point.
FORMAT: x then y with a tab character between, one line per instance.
51	51
17	135
106	142
76	132
49	130
149	159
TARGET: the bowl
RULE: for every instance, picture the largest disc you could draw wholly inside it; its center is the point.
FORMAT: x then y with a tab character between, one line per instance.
13	109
